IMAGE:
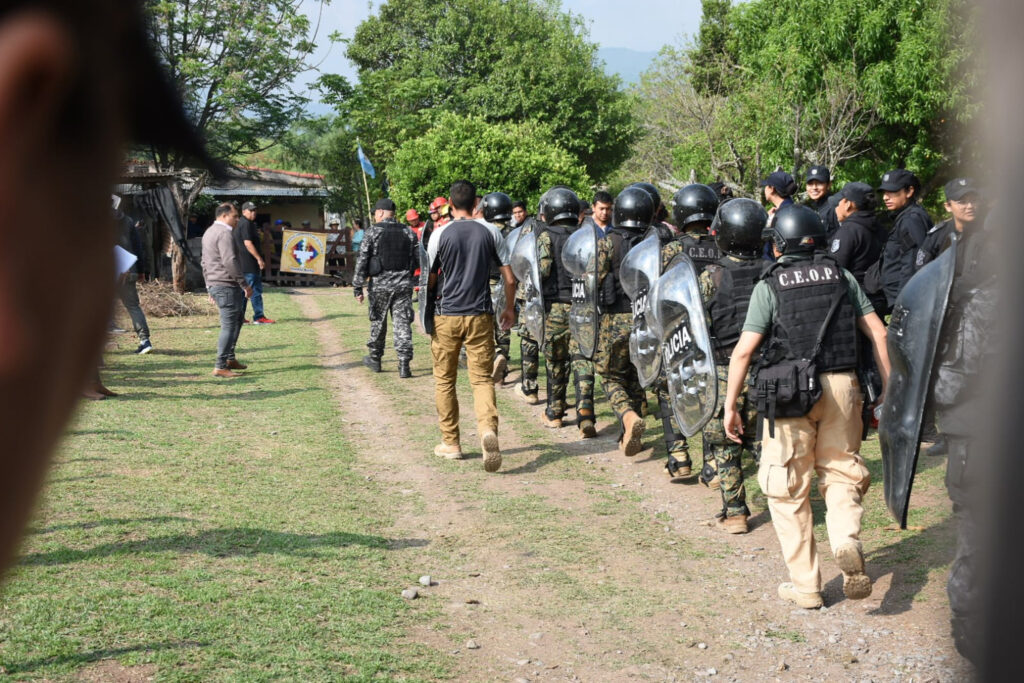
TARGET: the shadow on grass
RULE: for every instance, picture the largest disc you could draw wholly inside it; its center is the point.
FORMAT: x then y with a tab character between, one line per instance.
254	395
94	656
233	542
548	454
108	521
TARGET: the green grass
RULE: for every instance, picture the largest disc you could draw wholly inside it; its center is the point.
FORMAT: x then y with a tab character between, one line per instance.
216	530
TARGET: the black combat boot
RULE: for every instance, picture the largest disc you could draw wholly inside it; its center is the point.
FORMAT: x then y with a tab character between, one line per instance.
403	369
372	363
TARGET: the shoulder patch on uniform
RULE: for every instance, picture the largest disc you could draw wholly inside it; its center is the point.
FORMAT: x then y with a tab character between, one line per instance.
835	245
920	257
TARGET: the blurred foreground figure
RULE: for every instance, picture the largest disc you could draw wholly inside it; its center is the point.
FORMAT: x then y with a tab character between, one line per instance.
77	83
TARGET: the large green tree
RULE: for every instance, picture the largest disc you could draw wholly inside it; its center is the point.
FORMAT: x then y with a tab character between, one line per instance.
505	61
859	85
234	63
519	159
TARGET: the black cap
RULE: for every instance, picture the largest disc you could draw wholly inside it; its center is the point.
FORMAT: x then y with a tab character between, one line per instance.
861	194
898	179
385	205
782	182
958	188
248	206
819	173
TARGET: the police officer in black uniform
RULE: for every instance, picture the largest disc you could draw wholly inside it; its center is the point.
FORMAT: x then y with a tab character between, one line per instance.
901	192
820	197
962	202
388	256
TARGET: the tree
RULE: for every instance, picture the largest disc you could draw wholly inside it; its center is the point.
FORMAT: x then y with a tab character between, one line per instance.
505	61
519	159
234	62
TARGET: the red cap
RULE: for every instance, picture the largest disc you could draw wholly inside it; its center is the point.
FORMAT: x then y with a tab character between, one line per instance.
411	215
438	203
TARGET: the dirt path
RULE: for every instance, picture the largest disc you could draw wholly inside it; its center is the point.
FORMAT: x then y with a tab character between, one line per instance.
574	563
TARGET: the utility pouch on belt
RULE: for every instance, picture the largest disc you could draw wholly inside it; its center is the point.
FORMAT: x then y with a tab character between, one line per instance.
376	267
790	387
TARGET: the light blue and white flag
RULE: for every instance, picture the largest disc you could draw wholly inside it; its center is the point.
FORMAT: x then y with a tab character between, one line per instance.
365	163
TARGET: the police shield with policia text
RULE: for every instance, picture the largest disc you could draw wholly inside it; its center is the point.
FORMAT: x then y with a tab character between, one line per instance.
803	315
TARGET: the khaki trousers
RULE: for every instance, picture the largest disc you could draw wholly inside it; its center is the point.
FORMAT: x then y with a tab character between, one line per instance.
451	333
826	441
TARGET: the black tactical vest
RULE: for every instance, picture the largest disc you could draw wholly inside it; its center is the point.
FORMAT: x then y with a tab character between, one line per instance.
394	247
702	250
804	290
613	297
734	283
557	286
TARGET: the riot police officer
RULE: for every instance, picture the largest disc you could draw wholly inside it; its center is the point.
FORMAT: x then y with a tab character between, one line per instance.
726	287
529	349
962	203
818	185
497	209
631	217
806	310
901	192
388	256
562	210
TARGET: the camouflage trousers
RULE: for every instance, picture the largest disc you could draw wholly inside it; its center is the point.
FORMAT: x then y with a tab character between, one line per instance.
726	453
399	303
529	358
611	360
561	352
675	442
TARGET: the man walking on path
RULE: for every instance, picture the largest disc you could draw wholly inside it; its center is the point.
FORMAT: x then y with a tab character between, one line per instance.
247	243
226	285
464	251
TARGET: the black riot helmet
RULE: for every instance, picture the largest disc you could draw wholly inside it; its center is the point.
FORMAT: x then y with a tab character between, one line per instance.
497	207
561	205
738	226
796	229
633	208
651	190
694	203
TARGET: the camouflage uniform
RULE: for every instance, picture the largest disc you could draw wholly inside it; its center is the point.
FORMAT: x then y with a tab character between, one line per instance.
727	454
529	349
562	351
391	290
611	355
502	338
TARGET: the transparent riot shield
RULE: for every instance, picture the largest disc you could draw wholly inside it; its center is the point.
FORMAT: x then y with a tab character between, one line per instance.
579	256
679	324
527	270
639	271
427	296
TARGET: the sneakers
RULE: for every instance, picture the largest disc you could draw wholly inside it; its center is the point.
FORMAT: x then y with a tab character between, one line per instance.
788	592
235	365
372	363
144	348
734	525
263	320
588	430
856	584
499	369
225	373
531	399
448	451
552	423
632	437
492	455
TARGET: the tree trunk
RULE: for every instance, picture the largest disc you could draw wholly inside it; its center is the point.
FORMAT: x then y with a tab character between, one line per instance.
178	267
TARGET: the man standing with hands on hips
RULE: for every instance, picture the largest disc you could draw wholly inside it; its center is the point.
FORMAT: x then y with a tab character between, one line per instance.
227	287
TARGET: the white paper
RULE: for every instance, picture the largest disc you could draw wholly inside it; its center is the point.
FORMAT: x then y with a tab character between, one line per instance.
123	260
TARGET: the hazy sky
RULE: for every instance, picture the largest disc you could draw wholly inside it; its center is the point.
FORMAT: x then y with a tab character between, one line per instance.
643	25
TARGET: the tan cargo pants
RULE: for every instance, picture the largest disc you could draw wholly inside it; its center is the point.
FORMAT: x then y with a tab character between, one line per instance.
451	333
826	441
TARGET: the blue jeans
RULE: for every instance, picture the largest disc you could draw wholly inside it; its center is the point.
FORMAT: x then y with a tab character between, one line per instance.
231	302
255	281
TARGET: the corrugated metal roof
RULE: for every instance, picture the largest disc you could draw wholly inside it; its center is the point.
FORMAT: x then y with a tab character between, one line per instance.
264	192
